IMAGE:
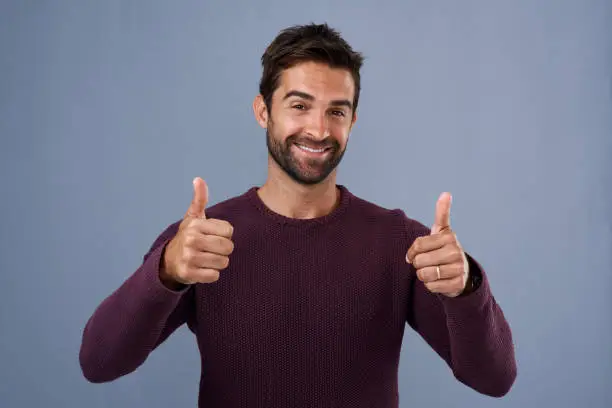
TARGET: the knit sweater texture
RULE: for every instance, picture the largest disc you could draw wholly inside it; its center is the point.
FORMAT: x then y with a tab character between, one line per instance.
309	313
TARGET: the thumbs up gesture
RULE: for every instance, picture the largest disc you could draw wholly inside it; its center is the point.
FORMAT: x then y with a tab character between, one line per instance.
201	247
438	258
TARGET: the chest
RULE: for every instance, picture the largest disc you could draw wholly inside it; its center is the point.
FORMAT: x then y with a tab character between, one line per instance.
298	286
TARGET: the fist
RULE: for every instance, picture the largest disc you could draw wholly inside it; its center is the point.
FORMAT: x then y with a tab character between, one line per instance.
438	258
201	247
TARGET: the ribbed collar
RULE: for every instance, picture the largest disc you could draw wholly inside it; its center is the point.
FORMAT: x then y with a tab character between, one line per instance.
345	198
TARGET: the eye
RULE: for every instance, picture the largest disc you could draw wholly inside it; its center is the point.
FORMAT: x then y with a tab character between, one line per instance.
299	106
338	113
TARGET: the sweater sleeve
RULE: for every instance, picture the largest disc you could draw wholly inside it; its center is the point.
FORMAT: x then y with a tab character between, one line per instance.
134	320
469	332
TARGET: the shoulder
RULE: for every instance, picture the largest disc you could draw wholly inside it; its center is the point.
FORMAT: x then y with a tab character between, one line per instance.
224	210
394	219
231	208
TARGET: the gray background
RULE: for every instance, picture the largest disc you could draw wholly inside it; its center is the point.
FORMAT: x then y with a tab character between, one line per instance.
109	109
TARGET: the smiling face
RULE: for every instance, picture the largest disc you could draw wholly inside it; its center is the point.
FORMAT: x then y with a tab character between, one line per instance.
308	126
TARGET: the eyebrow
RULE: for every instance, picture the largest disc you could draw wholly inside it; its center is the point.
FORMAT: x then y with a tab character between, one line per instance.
309	97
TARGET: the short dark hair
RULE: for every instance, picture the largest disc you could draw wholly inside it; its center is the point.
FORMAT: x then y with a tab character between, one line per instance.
305	43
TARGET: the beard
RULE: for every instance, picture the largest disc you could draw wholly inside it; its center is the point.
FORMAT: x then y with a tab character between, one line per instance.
304	171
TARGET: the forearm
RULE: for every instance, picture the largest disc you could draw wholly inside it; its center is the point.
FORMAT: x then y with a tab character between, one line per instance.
129	324
480	340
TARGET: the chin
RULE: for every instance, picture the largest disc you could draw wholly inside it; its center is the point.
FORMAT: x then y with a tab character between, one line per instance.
308	179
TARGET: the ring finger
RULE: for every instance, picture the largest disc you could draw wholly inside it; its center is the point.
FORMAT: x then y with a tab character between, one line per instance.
434	273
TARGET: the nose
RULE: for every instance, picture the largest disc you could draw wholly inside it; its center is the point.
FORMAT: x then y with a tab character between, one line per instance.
318	127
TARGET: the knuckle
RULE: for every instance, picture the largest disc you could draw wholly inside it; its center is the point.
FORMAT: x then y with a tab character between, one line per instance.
188	254
215	243
418	244
416	261
185	224
449	238
200	259
190	238
182	273
183	254
211	275
224	262
457	253
420	260
207	242
230	229
213	261
459	269
221	242
192	224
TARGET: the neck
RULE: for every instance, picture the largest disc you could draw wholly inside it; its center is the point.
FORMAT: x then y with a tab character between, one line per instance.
289	198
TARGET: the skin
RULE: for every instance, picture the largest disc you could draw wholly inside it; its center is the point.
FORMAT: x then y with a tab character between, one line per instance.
441	249
312	108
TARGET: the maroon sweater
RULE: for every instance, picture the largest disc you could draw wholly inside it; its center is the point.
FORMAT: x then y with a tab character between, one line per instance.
309	313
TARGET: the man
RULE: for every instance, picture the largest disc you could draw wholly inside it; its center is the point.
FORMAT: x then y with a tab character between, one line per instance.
298	291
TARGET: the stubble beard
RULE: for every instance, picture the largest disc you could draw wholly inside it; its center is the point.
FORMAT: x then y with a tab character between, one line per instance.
309	172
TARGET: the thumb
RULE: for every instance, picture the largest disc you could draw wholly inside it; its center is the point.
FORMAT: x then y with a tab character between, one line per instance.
442	217
199	200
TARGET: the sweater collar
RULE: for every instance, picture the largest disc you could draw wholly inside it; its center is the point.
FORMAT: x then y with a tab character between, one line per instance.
255	200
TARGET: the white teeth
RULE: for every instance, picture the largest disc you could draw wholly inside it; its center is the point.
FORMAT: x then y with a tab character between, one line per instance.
309	149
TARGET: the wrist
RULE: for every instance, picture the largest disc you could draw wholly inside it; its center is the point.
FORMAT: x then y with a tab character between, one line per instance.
469	286
473	283
165	276
169	282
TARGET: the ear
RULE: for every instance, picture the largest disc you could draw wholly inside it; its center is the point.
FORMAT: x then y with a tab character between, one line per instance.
354	119
260	111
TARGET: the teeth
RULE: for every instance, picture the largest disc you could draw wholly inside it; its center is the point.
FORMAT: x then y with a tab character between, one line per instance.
309	149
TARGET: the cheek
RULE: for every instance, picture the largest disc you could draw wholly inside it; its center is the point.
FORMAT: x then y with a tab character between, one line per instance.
293	127
289	126
340	132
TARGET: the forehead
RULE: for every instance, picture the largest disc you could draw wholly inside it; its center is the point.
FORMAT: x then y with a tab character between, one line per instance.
319	80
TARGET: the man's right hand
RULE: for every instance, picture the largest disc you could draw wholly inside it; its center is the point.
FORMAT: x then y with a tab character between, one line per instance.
201	247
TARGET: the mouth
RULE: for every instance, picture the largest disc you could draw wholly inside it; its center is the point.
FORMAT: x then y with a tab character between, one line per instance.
312	150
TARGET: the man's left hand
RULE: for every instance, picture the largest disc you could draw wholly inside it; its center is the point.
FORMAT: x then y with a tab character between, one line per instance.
439	259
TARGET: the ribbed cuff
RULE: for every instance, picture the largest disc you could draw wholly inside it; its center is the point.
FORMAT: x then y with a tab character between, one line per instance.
150	277
474	300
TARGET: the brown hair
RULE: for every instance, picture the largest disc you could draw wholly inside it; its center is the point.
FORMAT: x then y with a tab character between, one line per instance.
304	43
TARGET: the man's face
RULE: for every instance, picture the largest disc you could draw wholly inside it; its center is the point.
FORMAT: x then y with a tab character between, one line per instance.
310	120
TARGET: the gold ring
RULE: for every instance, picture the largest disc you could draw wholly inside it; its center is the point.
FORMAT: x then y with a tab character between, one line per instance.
438	271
